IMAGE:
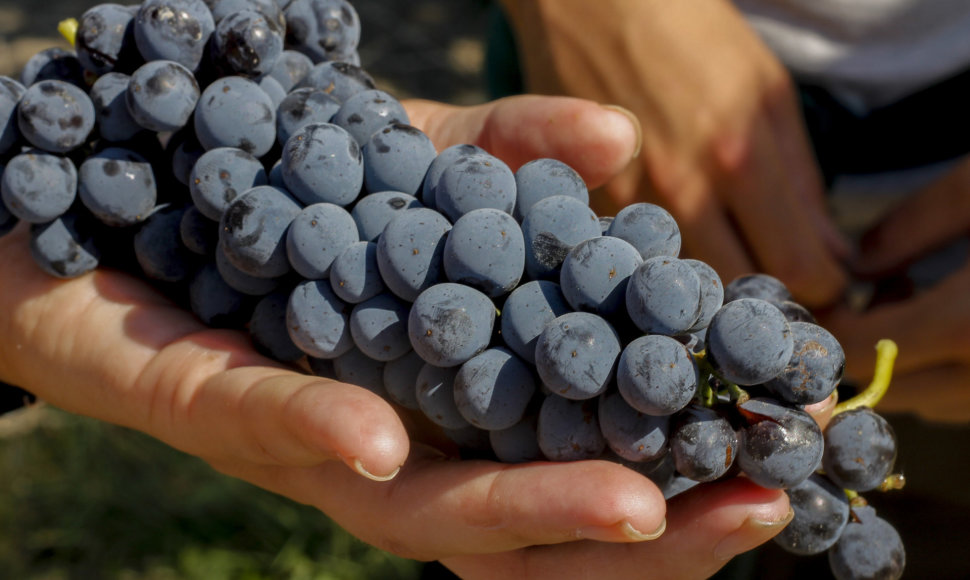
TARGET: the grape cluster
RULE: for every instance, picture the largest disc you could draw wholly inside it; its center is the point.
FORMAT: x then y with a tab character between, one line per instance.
235	154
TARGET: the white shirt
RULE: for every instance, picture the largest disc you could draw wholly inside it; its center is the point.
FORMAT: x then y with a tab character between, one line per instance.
866	52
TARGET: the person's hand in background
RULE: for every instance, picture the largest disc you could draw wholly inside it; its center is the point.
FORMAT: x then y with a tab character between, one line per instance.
932	376
724	147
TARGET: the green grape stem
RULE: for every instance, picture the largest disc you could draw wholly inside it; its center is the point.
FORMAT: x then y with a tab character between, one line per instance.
706	392
886	351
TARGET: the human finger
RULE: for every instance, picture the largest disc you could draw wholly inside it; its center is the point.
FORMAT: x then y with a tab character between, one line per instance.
706	527
108	346
597	141
935	215
437	507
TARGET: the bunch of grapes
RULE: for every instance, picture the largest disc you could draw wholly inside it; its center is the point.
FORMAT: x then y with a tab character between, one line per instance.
236	155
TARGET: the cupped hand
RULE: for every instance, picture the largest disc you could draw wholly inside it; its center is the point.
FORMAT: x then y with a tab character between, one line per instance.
932	371
109	346
724	147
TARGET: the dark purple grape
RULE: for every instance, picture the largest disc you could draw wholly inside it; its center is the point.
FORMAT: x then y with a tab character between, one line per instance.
450	323
780	446
175	30
162	95
870	547
341	80
569	430
485	250
55	116
657	375
38	187
473	182
53	64
356	368
374	211
595	273
440	163
435	391
526	312
105	39
290	68
576	355
518	443
318	321
367	112
247	43
542	178
551	228
663	296
64	247
632	435
379	327
324	30
821	512
761	286
749	341
401	377
316	236
860	449
253	231
396	158
235	112
649	228
494	388
302	107
410	251
216	303
118	186
159	248
267	327
109	97
815	369
220	175
323	163
703	443
355	275
10	93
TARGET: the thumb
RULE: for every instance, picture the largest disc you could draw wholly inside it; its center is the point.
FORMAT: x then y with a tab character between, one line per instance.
597	141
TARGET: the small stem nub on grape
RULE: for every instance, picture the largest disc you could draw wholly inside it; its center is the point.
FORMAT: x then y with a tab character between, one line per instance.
893	482
886	351
68	29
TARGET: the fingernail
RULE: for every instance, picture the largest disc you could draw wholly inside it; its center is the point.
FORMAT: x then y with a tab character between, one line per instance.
359	468
749	535
623	532
638	536
634	121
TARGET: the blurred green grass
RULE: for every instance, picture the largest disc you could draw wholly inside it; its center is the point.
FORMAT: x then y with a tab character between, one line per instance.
83	499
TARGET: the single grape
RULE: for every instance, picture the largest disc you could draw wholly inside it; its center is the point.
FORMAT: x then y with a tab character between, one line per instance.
780	445
526	312
632	435
316	236
53	64
494	388
410	252
159	248
595	273
369	111
551	228
356	368
576	355
649	228
440	163
450	323
663	296
38	187
239	280
324	30
379	327
401	378
815	369
374	211
162	95
220	175
302	107
175	30
749	341
354	274
118	186
235	112
869	547
253	231
318	321
290	68
545	177
472	182
569	430
485	250
712	293
703	443
762	286
55	116
267	327
657	375
860	449
821	513
518	443
247	43
109	97
64	247
341	80
216	303
435	391
323	163
396	158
